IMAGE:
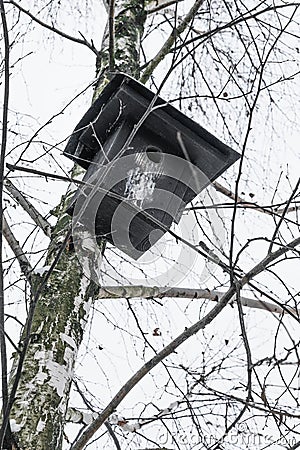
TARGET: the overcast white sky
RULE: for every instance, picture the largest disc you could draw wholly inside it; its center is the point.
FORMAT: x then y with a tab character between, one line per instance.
42	85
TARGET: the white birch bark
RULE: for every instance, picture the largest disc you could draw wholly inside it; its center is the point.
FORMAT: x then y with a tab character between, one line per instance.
38	414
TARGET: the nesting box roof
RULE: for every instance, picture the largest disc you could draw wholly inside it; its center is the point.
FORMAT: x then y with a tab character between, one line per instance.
126	99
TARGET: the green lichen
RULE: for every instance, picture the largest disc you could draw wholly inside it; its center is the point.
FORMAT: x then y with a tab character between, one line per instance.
55	311
129	26
39	406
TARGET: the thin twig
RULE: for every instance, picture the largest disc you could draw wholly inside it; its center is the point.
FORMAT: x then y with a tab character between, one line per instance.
6	429
17	250
249	15
91	416
13	167
241	203
111	25
246	341
285	209
55	30
28	207
112	435
249	368
162	6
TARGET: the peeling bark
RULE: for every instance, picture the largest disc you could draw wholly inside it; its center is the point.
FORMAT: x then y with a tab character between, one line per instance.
39	411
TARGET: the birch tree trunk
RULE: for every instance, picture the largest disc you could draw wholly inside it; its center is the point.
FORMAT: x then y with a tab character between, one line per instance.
38	413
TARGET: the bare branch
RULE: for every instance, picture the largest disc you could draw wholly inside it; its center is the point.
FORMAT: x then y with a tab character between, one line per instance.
145	292
25	265
162	5
252	404
170	41
289	210
250	205
13	167
223	190
5	431
28	207
105	4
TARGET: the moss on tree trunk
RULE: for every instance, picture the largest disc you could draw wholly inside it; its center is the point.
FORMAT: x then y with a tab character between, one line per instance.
39	411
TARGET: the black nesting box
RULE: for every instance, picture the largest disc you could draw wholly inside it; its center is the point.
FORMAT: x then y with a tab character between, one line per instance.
158	160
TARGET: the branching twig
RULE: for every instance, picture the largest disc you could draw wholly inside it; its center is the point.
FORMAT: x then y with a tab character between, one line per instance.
28	207
55	30
249	15
285	209
276	410
166	351
250	205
